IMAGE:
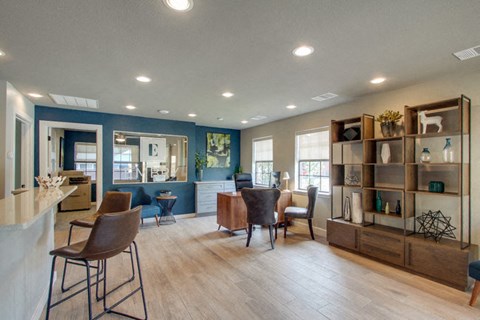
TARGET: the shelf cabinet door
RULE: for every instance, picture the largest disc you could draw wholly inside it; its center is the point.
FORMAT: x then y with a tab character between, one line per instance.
448	264
343	234
382	245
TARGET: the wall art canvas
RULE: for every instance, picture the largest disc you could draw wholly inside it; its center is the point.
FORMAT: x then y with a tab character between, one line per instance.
153	149
218	150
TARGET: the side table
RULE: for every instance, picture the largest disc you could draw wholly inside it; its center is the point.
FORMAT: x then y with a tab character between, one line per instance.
166	204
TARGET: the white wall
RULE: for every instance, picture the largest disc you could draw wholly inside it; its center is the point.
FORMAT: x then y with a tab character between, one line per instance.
283	131
13	104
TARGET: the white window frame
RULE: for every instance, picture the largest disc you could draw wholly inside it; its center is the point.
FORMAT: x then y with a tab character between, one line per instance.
263	162
133	164
76	161
324	160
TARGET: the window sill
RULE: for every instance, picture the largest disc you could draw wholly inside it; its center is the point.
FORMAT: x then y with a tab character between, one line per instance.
319	195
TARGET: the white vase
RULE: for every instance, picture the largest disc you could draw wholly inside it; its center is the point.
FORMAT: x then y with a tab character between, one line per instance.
357	207
385	153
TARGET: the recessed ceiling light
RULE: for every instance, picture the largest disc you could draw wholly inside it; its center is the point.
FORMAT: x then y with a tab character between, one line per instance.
2	53
227	94
220	119
192	115
35	95
291	106
377	80
179	5
164	111
130	107
143	79
303	51
244	121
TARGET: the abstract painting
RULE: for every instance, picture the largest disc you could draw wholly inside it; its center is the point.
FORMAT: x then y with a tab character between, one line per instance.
218	150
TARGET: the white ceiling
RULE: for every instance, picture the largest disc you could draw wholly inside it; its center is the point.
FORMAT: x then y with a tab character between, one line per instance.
95	49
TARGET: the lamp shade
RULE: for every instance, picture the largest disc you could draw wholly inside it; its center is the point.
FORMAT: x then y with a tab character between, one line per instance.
286	176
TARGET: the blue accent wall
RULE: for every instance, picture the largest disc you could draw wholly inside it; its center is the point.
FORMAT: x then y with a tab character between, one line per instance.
219	173
196	138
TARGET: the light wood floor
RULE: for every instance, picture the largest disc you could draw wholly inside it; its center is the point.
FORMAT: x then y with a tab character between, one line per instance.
193	271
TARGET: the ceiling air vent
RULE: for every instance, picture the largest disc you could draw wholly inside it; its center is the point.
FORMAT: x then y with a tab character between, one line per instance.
74	101
468	53
325	96
257	118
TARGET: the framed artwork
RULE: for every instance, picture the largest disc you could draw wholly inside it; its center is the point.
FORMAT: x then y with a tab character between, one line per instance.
218	150
61	153
153	149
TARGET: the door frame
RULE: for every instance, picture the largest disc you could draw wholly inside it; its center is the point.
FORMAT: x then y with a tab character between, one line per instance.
43	148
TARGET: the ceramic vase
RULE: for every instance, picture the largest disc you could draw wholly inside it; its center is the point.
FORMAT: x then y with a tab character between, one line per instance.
385	153
357	207
347	209
388	128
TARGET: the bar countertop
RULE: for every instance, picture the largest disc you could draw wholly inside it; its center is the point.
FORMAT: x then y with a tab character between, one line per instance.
22	210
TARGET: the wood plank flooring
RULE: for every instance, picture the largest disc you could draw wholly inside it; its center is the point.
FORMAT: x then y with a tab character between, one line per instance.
193	271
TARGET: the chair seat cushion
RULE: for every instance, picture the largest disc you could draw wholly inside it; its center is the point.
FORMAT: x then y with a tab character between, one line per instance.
296	212
474	270
149	211
86	222
276	216
72	251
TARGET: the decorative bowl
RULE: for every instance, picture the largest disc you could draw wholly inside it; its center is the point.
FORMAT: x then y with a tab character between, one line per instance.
50	183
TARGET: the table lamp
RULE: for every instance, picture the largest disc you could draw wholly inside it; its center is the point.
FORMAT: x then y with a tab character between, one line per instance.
286	177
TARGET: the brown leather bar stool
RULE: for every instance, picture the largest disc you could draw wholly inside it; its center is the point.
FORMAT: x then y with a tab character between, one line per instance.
113	201
111	234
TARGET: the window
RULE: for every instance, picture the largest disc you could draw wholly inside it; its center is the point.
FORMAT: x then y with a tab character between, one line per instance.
262	161
312	154
126	166
86	159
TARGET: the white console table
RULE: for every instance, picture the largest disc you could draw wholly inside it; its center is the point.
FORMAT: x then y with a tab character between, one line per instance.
206	194
26	237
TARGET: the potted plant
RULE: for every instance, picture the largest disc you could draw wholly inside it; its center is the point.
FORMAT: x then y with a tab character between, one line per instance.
388	122
200	162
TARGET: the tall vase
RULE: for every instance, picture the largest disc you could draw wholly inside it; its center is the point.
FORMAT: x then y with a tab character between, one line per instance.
357	216
448	154
385	153
199	174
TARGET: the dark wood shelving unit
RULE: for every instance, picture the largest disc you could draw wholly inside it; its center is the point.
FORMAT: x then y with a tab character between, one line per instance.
393	238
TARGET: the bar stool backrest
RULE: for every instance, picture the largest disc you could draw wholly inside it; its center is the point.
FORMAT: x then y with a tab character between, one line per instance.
111	234
115	201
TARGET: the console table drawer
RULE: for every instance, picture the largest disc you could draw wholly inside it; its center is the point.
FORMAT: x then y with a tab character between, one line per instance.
383	246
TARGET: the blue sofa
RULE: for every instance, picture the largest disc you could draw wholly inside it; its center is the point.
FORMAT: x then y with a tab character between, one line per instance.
150	208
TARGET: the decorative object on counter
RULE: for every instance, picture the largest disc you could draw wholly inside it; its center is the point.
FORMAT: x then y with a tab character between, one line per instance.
436	186
425	156
388	122
448	153
357	207
385	153
50	183
425	121
352	133
200	162
286	177
398	208
434	224
378	202
387	208
347	209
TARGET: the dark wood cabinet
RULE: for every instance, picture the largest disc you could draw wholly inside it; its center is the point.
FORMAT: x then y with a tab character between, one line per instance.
384	245
444	262
343	234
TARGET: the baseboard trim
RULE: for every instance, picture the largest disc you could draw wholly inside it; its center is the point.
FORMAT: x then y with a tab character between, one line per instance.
316	230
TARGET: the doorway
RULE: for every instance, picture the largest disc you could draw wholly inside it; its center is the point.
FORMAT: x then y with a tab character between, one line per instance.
45	156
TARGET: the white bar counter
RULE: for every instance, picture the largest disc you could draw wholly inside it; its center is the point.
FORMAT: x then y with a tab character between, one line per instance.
26	237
